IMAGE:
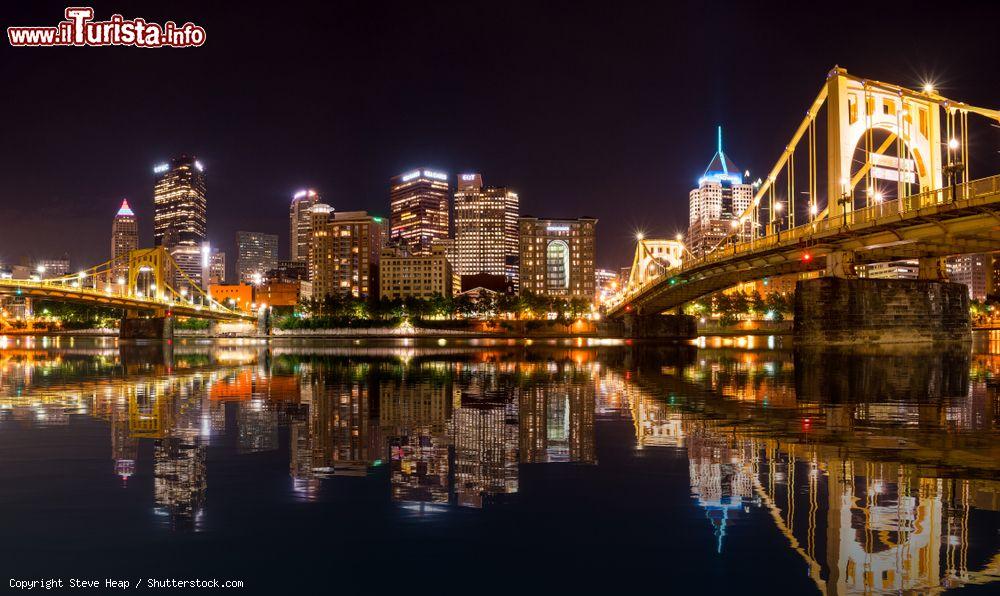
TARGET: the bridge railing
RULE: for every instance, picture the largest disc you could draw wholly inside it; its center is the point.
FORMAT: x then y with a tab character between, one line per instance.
881	212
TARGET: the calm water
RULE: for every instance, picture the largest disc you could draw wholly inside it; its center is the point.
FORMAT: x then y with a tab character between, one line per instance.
738	465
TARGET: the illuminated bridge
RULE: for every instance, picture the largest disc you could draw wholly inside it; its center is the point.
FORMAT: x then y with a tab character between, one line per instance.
141	284
897	188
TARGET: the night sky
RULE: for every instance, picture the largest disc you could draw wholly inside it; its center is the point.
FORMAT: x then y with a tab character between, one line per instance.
605	109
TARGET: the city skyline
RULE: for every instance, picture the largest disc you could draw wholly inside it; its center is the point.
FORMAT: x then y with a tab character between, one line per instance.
566	141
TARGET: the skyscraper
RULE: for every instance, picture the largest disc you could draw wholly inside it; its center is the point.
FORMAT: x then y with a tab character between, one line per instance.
720	199
419	208
257	253
179	216
124	239
179	202
485	228
975	271
557	256
298	217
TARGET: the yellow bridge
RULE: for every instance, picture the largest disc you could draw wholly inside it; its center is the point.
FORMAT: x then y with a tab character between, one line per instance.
875	132
143	284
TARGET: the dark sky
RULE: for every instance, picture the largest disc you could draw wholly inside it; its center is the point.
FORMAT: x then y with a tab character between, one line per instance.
604	109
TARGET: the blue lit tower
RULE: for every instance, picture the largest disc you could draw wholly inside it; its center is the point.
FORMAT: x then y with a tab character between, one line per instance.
720	198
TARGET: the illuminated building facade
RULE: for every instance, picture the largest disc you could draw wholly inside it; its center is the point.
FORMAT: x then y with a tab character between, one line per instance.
419	208
180	203
124	238
216	267
557	256
605	283
298	219
49	268
257	254
344	251
422	276
892	270
485	228
975	271
720	199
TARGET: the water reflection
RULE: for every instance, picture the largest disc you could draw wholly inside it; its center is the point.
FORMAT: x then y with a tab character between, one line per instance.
877	468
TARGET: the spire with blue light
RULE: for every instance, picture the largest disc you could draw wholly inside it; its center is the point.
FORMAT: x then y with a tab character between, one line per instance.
721	169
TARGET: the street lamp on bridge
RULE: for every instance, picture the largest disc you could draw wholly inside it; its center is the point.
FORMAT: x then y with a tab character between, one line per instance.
953	168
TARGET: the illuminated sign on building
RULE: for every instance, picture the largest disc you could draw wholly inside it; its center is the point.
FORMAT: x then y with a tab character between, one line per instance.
435	175
198	165
468	177
163	167
557	229
411	175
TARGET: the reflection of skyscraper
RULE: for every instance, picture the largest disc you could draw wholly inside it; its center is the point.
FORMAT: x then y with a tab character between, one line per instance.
413	419
557	423
334	441
258	426
123	446
485	453
179	479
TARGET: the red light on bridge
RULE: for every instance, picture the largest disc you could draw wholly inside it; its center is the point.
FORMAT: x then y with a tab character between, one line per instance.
806	257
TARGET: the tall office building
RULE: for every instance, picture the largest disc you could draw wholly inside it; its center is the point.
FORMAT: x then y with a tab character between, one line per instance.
486	235
179	216
257	253
720	199
124	239
179	202
216	267
344	252
557	256
419	208
975	271
298	219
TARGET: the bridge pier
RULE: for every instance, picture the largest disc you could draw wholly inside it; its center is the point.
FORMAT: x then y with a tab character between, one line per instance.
844	311
655	326
153	328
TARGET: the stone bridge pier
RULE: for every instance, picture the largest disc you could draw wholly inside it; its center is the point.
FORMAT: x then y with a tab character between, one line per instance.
862	311
652	326
156	328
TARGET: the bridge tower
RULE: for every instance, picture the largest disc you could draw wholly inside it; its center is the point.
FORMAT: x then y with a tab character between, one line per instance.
149	272
652	258
855	109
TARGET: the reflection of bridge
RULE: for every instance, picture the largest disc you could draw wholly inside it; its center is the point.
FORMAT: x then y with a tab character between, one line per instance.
141	284
858	219
862	521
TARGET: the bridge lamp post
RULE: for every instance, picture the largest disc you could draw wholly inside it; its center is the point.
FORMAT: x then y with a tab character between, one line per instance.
778	208
953	168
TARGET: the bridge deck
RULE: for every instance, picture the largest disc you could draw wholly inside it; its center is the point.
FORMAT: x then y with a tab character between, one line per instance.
930	224
62	293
